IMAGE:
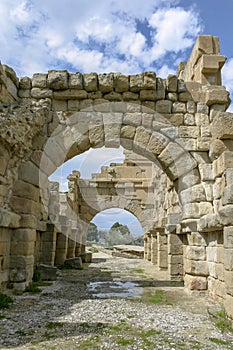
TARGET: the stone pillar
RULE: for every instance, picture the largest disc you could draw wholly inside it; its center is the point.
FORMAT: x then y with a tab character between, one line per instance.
22	257
228	270
154	248
61	249
5	241
145	246
196	269
175	257
162	251
71	248
149	240
48	245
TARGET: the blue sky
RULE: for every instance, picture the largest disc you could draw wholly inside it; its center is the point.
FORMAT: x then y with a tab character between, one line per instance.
128	36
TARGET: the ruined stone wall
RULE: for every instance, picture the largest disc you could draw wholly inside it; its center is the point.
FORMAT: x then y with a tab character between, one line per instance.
179	123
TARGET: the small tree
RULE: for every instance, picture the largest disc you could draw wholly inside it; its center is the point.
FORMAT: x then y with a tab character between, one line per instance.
92	233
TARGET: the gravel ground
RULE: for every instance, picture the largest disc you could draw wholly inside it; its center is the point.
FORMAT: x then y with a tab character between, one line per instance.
115	303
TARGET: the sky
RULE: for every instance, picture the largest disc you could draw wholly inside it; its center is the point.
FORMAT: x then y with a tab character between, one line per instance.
127	36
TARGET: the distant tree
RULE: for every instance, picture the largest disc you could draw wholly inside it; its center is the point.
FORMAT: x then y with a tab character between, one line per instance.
92	233
122	228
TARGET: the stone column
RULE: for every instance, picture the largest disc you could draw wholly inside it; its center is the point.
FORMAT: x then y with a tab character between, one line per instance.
5	242
149	240
162	251
196	269
154	248
175	257
71	248
228	267
61	249
48	245
145	246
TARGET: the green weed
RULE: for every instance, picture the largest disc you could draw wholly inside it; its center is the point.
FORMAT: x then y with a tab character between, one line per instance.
5	301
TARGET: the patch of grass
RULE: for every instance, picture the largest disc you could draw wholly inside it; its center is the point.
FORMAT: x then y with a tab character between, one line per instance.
219	341
158	297
221	321
53	325
32	288
17	292
139	271
125	342
5	301
21	333
93	250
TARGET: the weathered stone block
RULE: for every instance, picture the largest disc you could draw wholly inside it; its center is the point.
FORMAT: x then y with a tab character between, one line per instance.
70	94
57	80
157	143
121	82
170	154
179	107
134	119
75	81
195	253
39	93
206	172
193	194
47	273
189	131
90	81
228	237
195	283
196	268
171	83
39	80
8	219
74	263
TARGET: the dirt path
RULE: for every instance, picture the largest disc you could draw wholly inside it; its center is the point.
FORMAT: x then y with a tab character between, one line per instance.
114	303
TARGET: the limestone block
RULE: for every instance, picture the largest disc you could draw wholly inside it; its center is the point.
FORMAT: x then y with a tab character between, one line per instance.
113	96
74	263
191	107
128	132
130	96
70	94
228	305
24	206
205	131
121	82
181	166
212	254
195	283
39	80
228	259
57	80
222	163
75	81
3	165
22	248
228	177
96	135
119	107
175	249
24	93
160	88
172	96
136	82
59	105
164	106
196	268
206	172
175	265
147	119
179	107
195	253
74	105
189	131
196	239
17	275
149	80
26	190
39	93
188	144
86	257
196	210
203	143
112	128
101	105
226	215
142	137
21	262
193	194
148	95
170	154
189	119
229	282
171	83
228	237
90	81
25	83
215	94
157	143
176	119
134	119
222	125
208	187
185	96
227	195
217	147
48	273
220	272
8	219
216	288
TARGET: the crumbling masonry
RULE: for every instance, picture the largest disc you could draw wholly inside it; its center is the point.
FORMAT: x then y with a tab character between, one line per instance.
178	123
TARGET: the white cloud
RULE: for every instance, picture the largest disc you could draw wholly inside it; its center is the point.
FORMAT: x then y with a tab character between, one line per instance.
118	35
227	77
